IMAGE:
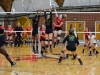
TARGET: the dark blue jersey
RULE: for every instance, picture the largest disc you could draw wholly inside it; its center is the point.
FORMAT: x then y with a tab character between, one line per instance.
2	39
48	22
35	21
71	40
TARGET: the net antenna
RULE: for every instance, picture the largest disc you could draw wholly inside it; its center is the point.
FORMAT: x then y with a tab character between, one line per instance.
32	4
50	3
23	5
41	3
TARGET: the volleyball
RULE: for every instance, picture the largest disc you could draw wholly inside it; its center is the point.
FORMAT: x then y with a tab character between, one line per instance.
64	15
53	5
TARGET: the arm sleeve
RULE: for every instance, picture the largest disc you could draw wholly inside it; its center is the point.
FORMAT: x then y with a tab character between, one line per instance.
76	40
51	17
65	39
38	18
45	15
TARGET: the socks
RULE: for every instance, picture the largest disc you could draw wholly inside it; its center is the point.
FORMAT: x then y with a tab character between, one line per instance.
54	44
80	61
33	48
57	42
83	50
67	56
60	59
42	52
43	47
90	52
37	49
50	46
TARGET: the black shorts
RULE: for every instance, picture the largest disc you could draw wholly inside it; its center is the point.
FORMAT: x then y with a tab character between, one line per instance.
34	33
70	48
48	31
94	43
57	29
42	40
9	35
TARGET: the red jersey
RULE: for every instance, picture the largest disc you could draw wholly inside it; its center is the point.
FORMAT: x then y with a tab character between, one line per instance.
43	33
86	34
9	31
58	21
29	29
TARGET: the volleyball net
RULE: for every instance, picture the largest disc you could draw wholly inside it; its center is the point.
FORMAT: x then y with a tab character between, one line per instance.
63	33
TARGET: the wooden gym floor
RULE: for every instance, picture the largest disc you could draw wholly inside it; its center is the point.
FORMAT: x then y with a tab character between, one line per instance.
26	65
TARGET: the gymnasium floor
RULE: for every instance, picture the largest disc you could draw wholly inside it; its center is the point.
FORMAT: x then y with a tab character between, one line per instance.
26	65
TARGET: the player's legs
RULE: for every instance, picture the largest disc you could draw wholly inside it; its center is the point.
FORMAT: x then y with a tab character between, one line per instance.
59	35
50	41
55	38
4	52
36	38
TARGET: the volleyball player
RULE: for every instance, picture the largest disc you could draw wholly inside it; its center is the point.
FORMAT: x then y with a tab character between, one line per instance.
42	40
76	35
86	39
35	21
2	49
93	43
71	46
48	23
9	35
58	27
29	34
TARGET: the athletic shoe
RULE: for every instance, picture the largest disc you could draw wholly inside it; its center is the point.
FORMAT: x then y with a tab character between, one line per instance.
83	51
51	50
54	46
81	63
43	55
59	61
73	58
13	63
90	54
96	53
66	57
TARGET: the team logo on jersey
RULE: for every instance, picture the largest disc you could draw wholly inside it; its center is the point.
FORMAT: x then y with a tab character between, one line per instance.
71	38
47	22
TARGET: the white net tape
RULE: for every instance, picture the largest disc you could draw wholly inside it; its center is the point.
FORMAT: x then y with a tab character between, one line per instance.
53	31
52	12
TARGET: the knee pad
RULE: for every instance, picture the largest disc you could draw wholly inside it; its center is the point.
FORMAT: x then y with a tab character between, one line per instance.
6	55
62	51
11	40
84	45
50	40
7	40
43	47
58	35
89	47
78	56
46	40
33	42
46	46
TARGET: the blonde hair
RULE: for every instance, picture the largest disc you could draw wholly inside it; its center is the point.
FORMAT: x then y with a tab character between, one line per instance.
43	26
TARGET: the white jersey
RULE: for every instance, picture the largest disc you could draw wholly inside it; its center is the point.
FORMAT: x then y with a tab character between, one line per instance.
92	39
